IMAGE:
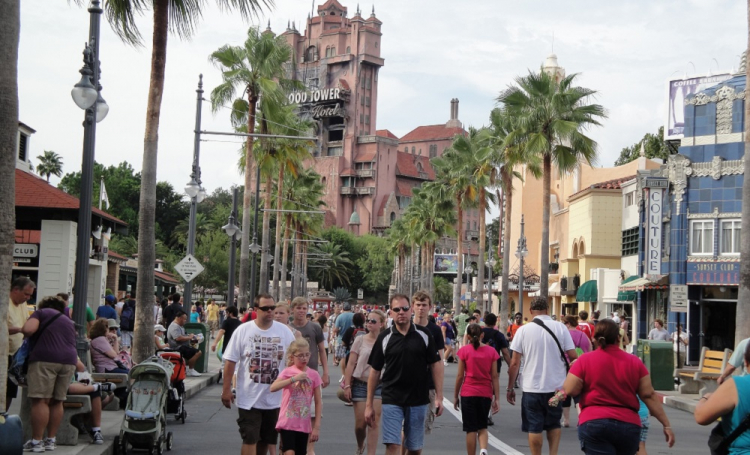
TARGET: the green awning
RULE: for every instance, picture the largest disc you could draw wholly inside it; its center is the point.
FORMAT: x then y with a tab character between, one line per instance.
627	296
587	292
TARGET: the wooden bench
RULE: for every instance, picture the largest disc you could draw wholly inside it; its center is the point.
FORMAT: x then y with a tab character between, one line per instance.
703	380
67	434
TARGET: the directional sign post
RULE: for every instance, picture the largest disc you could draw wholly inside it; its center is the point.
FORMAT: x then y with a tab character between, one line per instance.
189	268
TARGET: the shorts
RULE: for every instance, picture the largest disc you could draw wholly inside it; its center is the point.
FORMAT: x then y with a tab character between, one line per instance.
608	437
474	412
429	420
213	325
644	429
359	391
410	418
537	415
187	352
258	425
450	342
126	338
49	380
293	440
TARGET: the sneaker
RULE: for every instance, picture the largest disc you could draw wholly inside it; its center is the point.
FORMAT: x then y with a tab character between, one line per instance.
341	380
483	452
49	444
31	446
98	438
193	373
106	387
490	422
445	362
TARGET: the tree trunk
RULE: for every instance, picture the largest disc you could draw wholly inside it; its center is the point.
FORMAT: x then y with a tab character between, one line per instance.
482	246
304	270
460	259
247	206
400	276
544	256
10	26
277	245
742	330
143	336
264	262
296	264
285	256
500	221
504	303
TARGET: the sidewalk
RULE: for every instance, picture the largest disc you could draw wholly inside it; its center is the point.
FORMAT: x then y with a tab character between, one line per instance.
682	401
112	420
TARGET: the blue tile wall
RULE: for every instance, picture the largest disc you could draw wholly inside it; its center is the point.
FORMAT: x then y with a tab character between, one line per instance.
738	116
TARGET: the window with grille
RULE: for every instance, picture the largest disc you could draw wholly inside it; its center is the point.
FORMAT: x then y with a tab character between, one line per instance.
702	237
630	241
730	236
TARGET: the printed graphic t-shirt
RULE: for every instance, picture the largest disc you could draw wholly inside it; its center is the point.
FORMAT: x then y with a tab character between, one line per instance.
259	355
296	401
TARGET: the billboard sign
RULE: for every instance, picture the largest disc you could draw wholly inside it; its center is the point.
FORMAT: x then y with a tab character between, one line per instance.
446	263
678	91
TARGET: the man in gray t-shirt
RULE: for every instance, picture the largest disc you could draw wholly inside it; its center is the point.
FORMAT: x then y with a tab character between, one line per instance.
179	340
658	332
312	332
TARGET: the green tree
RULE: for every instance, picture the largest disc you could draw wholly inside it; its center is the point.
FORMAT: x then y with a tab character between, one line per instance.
653	147
253	70
50	163
551	118
399	245
443	291
10	26
375	264
332	265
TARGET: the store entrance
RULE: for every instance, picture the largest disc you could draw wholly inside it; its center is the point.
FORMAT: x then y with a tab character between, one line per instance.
718	324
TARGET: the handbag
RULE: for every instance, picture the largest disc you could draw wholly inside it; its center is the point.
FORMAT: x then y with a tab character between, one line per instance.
557	342
719	443
19	368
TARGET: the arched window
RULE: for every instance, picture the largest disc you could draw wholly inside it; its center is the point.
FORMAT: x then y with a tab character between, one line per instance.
333	51
348	49
413	150
393	217
311	54
323	181
581	248
575	249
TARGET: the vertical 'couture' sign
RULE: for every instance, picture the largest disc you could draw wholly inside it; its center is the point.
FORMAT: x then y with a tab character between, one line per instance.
653	231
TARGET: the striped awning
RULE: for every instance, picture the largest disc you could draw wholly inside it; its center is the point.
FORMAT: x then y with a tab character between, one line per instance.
641	284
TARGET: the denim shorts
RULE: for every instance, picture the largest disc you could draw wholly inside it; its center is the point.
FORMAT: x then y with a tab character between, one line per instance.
536	413
609	437
359	391
411	418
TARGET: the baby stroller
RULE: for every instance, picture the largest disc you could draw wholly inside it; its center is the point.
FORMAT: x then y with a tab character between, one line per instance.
145	424
176	398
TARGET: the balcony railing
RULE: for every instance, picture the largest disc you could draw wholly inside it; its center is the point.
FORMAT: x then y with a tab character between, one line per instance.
365	173
471	234
359	190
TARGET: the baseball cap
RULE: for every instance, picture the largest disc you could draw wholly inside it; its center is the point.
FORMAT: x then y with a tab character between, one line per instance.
110	298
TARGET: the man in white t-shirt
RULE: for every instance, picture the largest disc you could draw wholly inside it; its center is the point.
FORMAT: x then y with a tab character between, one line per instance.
679	361
256	353
544	371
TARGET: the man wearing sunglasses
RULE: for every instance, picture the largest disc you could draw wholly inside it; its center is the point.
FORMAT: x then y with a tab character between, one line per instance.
406	355
252	352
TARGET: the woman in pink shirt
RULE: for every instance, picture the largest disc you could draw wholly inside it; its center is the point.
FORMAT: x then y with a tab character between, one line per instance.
477	381
609	382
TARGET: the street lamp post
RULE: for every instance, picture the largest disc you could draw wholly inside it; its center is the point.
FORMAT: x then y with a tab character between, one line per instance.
521	253
491	262
232	231
468	270
254	247
87	95
193	189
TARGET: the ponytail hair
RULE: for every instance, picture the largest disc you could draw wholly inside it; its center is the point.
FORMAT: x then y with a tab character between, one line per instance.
606	333
475	333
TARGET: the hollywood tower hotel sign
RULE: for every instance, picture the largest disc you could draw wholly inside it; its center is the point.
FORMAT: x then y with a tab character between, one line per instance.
323	103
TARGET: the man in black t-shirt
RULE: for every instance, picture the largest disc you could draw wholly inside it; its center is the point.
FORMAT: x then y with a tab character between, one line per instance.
422	304
227	329
403	353
170	312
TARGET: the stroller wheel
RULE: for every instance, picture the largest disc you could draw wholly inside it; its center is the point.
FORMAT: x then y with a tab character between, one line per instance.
170	440
156	450
117	447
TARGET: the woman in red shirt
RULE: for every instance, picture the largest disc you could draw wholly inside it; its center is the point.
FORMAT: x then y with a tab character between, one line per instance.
481	383
609	382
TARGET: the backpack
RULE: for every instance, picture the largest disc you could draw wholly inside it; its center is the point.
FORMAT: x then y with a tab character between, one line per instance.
127	316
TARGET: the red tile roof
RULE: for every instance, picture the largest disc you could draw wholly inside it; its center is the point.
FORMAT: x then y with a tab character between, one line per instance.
167	277
347	172
366	157
386	133
614	184
32	191
406	165
431	133
117	256
403	188
27	236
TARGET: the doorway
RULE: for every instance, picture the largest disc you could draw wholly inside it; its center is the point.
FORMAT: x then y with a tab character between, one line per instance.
719	323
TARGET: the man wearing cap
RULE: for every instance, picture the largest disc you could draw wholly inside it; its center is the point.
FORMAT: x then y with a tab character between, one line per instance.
107	311
343	322
178	339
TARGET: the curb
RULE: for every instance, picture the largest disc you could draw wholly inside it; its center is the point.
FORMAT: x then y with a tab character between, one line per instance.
674	402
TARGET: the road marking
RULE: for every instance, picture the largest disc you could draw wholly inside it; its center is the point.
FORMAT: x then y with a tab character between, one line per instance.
493	441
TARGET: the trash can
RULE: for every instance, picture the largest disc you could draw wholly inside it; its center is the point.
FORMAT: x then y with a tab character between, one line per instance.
198	327
659	360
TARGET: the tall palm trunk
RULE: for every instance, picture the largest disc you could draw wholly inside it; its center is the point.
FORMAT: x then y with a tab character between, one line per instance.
504	304
742	330
10	26
143	339
460	262
263	286
277	246
247	207
500	221
400	276
296	263
285	256
304	270
482	246
544	256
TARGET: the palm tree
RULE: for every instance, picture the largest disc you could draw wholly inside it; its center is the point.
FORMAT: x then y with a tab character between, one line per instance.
180	17
10	23
49	164
399	246
506	157
254	70
454	170
203	225
551	117
332	265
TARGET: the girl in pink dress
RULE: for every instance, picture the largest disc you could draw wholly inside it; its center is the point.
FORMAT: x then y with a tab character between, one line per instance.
299	385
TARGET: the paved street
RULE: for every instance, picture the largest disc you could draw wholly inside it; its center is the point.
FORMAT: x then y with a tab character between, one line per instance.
211	427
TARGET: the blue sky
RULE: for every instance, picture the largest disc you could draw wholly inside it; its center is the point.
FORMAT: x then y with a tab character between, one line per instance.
434	51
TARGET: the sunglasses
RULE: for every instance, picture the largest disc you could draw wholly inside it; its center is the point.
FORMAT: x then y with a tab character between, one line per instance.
398	309
267	308
372	321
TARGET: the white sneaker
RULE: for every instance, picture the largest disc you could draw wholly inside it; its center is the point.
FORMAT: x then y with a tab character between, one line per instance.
445	362
30	446
193	373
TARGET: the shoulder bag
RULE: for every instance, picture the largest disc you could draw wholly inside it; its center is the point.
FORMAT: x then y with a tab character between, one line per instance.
719	443
20	365
557	342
